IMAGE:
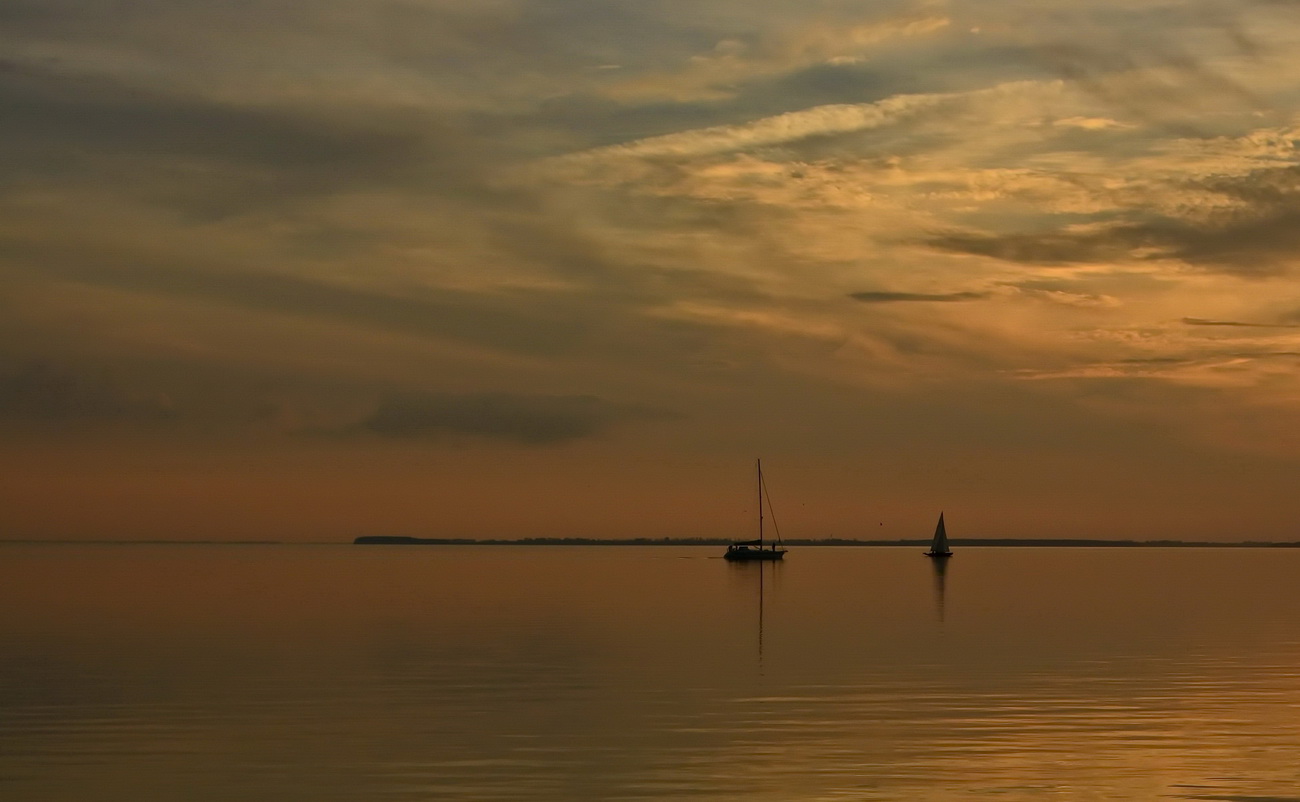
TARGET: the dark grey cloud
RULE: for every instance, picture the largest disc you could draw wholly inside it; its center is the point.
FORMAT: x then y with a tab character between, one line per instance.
1267	188
44	390
1165	87
535	322
1161	64
1258	240
1260	237
1247	247
527	419
184	152
50	110
1116	243
210	155
1197	321
476	59
1241	798
1204	359
894	297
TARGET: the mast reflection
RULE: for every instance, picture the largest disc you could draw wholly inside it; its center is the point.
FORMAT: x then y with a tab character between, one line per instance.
760	569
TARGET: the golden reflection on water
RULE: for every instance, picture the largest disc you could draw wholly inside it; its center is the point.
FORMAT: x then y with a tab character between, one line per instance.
322	672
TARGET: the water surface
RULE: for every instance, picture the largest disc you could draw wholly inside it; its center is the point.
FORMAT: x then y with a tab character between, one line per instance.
196	672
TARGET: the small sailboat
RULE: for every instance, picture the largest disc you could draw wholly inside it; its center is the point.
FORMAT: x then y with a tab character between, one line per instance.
743	550
939	546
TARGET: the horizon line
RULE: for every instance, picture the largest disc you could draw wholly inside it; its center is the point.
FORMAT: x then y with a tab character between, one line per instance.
401	540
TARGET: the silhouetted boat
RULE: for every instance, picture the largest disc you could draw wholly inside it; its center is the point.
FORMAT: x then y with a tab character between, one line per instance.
753	549
939	546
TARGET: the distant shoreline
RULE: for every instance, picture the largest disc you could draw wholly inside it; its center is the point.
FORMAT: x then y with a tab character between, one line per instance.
401	540
389	540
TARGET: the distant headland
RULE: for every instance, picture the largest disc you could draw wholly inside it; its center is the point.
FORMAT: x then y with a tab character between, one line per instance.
402	540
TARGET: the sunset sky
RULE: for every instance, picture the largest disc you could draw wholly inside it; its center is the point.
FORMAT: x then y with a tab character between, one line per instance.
507	268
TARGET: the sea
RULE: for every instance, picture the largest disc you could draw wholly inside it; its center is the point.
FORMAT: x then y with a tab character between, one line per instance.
151	672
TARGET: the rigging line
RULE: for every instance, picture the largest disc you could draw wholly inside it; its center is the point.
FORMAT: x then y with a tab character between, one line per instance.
771	513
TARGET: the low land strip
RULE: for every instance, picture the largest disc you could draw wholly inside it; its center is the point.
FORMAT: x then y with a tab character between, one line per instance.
401	540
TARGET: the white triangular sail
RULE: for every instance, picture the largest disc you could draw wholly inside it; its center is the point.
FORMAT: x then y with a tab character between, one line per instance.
940	543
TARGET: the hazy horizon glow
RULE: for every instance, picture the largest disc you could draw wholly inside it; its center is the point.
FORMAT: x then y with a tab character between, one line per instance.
519	269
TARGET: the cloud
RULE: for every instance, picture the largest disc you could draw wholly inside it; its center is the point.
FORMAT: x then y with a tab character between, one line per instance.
536	321
39	389
1063	295
1058	248
1254	243
1168	91
734	61
48	110
1241	797
1196	321
1245	225
526	419
893	297
780	129
1214	368
1090	123
1174	68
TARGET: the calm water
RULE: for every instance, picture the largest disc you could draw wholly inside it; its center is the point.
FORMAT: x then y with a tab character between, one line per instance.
614	673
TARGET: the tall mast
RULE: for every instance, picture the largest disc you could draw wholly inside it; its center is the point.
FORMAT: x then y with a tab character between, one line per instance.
759	464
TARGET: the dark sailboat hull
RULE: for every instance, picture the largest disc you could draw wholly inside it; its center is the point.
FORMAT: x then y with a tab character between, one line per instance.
747	555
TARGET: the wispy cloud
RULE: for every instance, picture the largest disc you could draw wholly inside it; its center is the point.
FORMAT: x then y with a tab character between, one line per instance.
780	129
734	61
1256	235
880	297
1197	321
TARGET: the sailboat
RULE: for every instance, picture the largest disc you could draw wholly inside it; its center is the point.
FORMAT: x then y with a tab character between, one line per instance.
753	549
939	546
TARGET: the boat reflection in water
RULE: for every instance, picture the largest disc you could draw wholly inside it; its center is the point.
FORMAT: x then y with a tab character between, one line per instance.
940	571
758	574
939	555
747	550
